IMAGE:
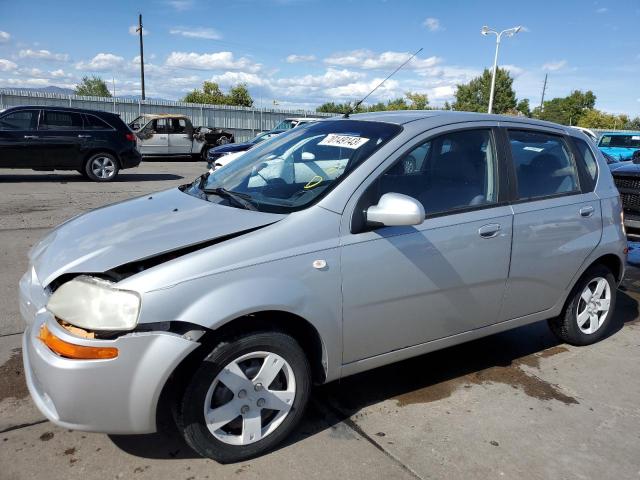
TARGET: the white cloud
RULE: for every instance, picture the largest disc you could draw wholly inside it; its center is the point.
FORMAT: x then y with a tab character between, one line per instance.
211	61
59	73
433	24
554	65
4	37
357	90
300	58
233	78
33	72
602	10
368	60
7	65
331	78
196	32
102	62
444	92
25	82
133	31
513	70
43	55
180	5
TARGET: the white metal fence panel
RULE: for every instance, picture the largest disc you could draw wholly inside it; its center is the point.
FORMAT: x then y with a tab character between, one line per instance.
243	122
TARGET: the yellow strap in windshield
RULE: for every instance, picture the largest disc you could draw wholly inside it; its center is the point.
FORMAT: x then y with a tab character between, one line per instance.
314	182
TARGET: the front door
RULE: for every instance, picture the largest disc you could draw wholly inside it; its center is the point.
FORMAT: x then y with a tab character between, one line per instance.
17	133
403	286
154	138
556	225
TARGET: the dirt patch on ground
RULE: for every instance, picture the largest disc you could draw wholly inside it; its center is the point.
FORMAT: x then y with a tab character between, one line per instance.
12	383
533	361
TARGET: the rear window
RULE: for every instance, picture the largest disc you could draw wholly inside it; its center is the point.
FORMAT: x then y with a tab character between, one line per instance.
629	141
589	159
60	121
94	123
543	164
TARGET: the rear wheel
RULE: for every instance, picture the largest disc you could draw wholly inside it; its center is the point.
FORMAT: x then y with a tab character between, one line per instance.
589	309
246	397
101	167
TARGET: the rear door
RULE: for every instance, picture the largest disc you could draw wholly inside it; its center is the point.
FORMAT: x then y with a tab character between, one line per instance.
557	220
154	138
17	134
179	138
60	139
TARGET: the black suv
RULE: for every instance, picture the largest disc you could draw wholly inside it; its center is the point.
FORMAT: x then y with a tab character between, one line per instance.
96	144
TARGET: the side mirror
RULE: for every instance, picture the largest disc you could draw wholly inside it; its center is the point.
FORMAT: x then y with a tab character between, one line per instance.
395	209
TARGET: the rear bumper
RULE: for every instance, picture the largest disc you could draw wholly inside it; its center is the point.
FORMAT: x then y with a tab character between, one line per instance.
130	159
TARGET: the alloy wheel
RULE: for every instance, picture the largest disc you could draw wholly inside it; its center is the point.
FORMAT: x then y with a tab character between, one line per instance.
593	306
103	167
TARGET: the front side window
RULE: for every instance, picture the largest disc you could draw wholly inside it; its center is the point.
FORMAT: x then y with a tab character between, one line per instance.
22	120
544	167
52	120
450	172
296	168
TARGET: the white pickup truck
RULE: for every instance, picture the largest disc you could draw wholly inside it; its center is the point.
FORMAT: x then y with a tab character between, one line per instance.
167	135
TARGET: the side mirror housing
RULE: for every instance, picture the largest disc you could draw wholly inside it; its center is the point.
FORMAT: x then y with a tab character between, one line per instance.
395	209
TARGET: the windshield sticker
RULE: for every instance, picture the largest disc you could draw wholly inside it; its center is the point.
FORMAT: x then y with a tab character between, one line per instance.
534	149
346	141
635	137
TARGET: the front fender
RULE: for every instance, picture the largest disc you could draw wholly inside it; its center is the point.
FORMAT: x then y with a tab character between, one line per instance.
290	285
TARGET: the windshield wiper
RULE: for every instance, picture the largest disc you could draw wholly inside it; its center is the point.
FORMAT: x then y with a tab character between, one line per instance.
238	198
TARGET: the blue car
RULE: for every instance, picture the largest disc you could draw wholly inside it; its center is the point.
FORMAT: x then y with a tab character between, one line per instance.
620	145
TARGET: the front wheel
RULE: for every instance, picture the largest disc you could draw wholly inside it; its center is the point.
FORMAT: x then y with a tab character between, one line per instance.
589	308
246	397
101	167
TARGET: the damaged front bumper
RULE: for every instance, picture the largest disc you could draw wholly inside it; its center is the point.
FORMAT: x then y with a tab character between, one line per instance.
118	395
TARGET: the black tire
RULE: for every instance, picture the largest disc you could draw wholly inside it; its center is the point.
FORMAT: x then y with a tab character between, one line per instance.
205	152
95	174
565	326
191	417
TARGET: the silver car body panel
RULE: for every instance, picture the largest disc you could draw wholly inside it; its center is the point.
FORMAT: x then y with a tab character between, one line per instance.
381	296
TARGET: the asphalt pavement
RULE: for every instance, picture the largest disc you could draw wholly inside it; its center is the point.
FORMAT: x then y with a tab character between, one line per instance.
514	405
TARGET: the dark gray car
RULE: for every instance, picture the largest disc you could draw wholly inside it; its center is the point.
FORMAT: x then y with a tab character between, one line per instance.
337	247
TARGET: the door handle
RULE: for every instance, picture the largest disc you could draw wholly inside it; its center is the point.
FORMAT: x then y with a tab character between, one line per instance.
31	137
586	211
490	230
84	136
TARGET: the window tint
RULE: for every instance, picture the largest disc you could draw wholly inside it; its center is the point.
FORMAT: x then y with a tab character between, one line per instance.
453	171
587	156
543	164
629	141
94	123
23	120
60	120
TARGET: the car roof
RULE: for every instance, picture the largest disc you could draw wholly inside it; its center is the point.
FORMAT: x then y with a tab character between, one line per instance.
164	115
60	109
620	133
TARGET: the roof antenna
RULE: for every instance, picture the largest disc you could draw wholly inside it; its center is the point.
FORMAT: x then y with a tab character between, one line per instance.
357	104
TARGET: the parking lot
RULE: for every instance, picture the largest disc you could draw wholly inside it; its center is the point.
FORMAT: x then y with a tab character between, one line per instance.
514	405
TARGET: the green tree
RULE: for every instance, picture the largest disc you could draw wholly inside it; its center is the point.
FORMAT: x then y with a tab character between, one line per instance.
523	107
396	104
212	94
593	118
92	86
419	101
474	96
567	110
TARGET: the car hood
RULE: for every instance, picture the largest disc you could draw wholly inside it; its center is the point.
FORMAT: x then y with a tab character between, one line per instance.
137	229
628	169
232	147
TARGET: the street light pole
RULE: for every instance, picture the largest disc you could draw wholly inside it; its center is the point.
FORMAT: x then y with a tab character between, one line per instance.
139	30
510	32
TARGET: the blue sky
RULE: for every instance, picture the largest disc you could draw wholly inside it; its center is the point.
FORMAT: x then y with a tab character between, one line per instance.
301	53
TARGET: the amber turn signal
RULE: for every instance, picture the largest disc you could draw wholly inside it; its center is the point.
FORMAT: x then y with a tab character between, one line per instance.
69	350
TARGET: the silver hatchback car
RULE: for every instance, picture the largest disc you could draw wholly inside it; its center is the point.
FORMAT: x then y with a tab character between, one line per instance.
337	247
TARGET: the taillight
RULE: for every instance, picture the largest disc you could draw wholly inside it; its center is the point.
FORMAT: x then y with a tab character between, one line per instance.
131	137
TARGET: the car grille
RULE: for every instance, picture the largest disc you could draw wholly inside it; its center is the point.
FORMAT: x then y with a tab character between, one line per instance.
627	182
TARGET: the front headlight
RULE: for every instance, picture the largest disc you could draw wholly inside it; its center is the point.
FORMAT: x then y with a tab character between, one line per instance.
95	304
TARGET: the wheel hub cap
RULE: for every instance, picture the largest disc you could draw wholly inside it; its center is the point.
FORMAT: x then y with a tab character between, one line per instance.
593	306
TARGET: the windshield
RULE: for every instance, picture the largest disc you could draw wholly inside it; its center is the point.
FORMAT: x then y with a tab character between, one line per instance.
295	169
629	141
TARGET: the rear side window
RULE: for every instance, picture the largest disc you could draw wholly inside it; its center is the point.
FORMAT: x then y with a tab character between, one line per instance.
61	121
94	123
544	167
23	120
588	158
